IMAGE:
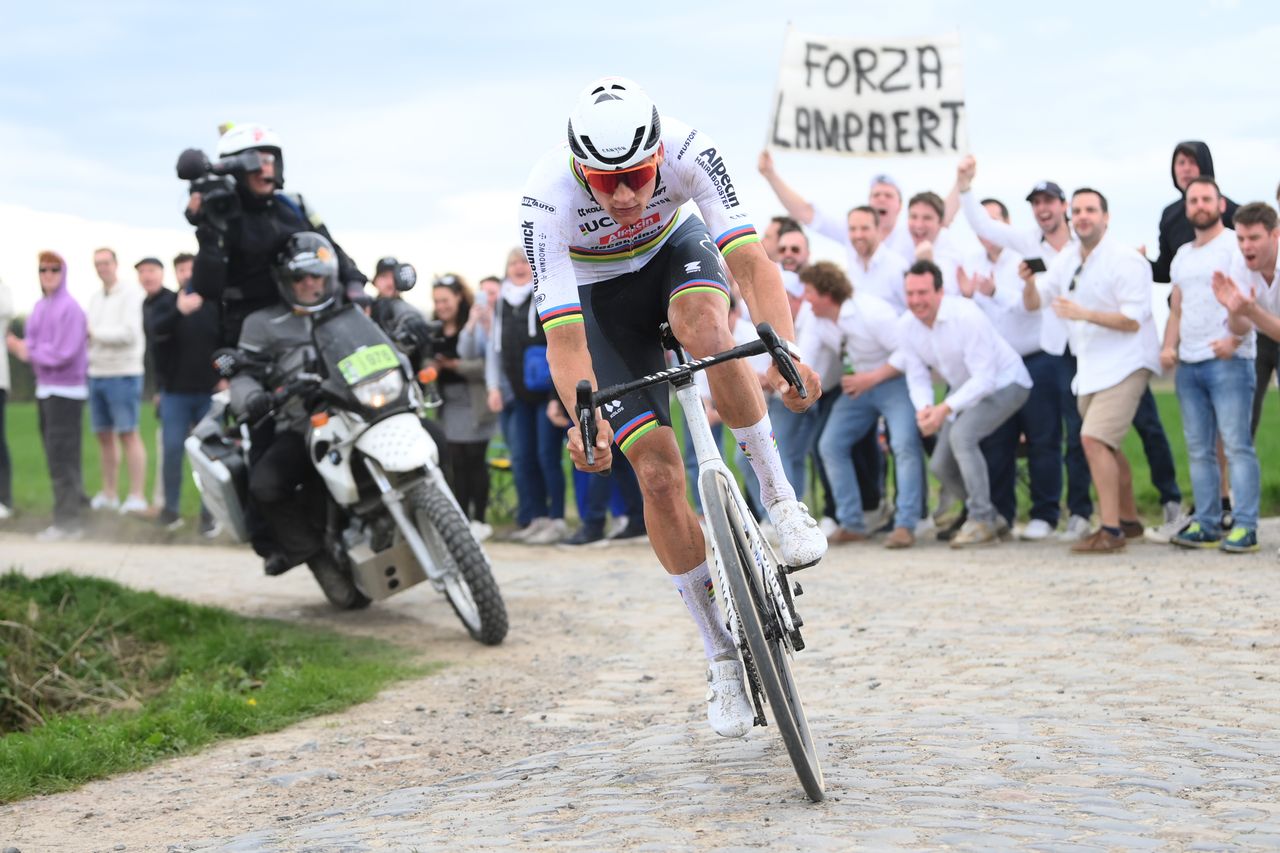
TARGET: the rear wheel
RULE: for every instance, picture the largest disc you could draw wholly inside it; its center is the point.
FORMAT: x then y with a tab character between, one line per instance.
468	583
766	655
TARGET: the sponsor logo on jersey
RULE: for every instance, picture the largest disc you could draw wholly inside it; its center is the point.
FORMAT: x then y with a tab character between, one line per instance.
628	231
688	140
713	164
540	205
587	211
526	231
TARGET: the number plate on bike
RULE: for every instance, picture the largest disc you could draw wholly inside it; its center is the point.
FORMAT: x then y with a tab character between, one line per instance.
362	364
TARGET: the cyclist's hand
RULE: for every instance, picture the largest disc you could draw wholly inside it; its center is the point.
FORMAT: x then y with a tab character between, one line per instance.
604	438
791	397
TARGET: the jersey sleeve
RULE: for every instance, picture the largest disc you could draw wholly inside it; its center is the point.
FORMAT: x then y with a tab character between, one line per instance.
546	248
707	179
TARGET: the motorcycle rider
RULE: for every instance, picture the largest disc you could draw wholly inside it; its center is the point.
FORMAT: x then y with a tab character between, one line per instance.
234	262
278	338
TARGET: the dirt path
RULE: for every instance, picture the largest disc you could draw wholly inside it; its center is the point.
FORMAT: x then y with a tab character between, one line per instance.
998	698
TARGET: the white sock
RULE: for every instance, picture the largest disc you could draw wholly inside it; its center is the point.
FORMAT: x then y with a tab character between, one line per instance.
699	594
758	444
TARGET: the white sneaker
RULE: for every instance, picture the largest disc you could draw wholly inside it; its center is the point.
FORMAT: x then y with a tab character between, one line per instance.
552	531
5	513
134	504
54	533
481	531
616	526
799	539
828	525
1174	520
523	534
101	501
728	709
926	527
1077	528
1035	530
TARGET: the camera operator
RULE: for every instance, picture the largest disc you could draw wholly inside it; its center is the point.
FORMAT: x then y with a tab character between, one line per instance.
240	235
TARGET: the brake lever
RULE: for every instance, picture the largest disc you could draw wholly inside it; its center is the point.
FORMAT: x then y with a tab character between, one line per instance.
782	358
586	420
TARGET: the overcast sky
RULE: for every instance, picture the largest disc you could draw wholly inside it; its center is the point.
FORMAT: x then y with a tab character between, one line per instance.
412	129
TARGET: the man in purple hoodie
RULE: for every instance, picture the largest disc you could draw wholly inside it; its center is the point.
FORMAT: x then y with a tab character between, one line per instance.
57	346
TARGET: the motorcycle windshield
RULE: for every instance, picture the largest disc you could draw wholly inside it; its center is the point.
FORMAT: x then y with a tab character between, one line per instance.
353	350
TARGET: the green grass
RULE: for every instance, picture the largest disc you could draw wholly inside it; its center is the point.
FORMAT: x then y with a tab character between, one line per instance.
124	678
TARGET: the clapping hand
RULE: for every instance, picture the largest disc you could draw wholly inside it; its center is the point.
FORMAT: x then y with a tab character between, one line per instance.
1230	296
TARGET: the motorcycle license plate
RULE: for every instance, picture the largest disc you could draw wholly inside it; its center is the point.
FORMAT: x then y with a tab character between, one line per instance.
362	364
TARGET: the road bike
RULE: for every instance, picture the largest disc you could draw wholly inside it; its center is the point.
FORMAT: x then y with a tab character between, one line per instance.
756	593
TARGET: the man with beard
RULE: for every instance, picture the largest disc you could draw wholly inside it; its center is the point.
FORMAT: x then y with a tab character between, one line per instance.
1214	352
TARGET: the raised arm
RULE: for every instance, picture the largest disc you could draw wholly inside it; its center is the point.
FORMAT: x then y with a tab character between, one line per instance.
797	207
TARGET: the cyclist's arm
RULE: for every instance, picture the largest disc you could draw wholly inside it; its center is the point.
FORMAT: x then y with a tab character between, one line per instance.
761	286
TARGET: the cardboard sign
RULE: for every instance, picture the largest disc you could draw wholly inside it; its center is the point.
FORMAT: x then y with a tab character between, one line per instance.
856	97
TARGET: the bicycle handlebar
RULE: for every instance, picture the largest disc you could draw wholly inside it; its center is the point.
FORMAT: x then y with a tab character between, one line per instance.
769	342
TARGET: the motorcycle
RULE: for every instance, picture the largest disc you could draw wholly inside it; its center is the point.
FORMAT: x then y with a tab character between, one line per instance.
391	521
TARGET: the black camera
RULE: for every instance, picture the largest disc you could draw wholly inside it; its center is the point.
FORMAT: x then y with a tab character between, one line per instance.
216	183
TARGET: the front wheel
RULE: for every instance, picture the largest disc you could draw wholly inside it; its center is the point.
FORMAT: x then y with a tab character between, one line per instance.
766	656
468	583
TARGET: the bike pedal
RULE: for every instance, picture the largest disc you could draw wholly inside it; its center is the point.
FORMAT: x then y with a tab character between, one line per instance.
790	569
799	590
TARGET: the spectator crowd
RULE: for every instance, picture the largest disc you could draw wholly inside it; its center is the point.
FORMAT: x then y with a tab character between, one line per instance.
1045	341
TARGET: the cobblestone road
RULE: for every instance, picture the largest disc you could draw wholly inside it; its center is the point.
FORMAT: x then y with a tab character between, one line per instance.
1011	698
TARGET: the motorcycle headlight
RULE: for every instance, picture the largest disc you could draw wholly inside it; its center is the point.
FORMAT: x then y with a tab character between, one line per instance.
378	392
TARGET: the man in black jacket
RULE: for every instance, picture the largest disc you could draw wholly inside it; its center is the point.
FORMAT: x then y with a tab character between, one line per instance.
233	265
1191	160
182	334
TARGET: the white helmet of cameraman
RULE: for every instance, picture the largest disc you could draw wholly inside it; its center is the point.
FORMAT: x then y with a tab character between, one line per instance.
614	125
253	137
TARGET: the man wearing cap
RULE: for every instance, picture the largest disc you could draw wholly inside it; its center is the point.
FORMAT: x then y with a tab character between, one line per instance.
182	333
1051	235
116	350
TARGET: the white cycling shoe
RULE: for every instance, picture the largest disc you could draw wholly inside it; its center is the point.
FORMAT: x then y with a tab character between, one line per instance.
799	538
728	709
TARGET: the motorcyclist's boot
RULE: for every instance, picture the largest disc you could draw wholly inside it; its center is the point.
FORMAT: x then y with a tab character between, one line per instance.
276	563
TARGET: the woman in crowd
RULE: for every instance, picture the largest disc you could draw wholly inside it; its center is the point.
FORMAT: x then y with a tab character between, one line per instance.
468	422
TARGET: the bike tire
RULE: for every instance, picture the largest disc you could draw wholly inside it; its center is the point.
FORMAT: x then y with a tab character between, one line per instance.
769	657
469	586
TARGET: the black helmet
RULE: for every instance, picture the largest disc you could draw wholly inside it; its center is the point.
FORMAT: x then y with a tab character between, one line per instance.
305	255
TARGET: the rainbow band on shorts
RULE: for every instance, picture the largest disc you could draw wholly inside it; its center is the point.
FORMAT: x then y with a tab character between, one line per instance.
736	238
700	285
560	315
635	428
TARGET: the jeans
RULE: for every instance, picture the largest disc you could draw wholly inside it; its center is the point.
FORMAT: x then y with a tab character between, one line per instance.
851	419
1040	420
1078	477
795	433
1164	476
179	413
1267	363
6	469
537	453
958	461
61	422
1215	397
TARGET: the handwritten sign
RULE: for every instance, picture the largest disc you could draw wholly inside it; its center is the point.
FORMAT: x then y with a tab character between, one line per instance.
857	97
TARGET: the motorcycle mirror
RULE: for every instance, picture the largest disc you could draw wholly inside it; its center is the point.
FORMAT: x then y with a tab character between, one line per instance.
405	277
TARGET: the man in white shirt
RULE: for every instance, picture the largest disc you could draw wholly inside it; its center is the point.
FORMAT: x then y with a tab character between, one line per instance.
116	348
987	384
865	335
1251	291
933	242
1214	352
885	198
1103	290
993	284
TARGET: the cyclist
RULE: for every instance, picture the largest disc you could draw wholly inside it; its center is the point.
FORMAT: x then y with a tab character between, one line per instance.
613	257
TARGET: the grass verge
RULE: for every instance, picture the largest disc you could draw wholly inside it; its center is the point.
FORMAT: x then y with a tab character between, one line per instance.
98	679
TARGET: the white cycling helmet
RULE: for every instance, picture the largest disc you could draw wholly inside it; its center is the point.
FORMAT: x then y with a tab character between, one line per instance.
252	137
614	125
